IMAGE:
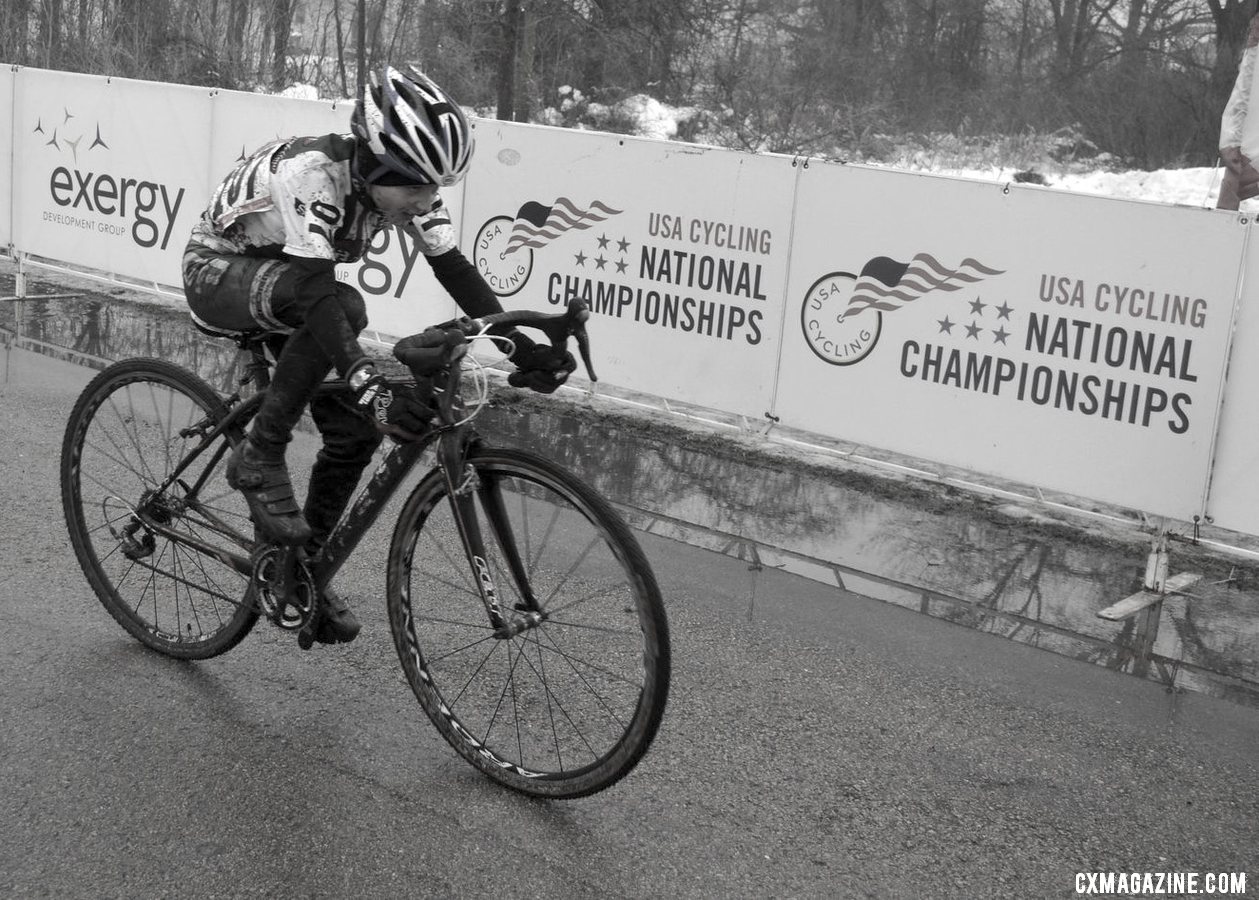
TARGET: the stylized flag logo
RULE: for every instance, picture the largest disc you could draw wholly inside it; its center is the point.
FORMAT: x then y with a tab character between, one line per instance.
537	225
886	284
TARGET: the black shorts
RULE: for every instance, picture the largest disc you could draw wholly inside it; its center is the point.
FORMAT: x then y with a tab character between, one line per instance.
231	294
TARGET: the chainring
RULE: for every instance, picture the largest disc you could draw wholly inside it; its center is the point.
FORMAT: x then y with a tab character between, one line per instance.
290	610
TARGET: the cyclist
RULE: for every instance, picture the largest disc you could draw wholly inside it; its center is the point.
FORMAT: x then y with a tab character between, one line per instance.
262	258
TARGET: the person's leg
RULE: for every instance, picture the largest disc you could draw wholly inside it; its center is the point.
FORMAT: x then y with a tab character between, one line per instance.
236	293
324	337
349	437
301	366
241	293
225	291
349	440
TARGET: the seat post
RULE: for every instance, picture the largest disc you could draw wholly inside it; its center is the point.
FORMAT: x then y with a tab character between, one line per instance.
257	368
251	353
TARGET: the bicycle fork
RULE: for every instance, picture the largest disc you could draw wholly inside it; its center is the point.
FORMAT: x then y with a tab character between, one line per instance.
464	486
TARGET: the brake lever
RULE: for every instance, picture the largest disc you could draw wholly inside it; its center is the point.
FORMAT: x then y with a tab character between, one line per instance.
572	323
583	345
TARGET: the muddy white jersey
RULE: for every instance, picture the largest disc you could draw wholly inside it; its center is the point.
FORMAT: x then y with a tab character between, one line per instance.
298	198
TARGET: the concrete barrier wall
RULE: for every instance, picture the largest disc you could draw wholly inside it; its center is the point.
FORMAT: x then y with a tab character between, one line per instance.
987	562
1029	572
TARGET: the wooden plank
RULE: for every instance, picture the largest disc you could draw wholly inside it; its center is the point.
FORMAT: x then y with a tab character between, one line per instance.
1129	606
1180	582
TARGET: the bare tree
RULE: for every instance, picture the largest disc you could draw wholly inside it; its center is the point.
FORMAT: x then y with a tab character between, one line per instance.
1230	18
1142	78
282	17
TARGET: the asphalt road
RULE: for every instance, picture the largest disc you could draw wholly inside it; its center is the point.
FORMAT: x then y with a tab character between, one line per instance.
817	745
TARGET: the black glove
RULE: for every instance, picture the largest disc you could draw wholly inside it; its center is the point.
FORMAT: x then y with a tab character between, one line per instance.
397	410
539	367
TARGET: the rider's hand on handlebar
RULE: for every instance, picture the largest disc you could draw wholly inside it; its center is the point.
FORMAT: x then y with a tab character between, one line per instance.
539	367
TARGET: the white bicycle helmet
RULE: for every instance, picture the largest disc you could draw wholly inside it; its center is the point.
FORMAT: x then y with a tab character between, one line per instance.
410	131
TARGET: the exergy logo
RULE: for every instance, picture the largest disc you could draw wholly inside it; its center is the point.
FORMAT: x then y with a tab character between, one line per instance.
142	209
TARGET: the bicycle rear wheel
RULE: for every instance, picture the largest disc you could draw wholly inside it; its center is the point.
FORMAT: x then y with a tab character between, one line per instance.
168	557
568	706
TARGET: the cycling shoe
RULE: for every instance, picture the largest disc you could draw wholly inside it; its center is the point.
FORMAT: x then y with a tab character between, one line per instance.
267	489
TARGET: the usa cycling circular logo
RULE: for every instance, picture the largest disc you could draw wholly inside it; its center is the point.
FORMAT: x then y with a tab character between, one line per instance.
832	332
505	269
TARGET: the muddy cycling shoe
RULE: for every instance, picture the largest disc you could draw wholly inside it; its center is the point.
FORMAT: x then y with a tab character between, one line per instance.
335	623
265	484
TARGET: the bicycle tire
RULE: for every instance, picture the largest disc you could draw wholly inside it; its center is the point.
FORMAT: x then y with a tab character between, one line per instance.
582	695
122	439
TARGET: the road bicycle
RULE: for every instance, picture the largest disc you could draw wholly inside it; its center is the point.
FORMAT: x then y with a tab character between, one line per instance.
525	614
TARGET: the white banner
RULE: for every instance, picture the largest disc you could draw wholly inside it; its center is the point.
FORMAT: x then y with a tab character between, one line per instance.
8	84
1068	342
1234	496
110	171
680	251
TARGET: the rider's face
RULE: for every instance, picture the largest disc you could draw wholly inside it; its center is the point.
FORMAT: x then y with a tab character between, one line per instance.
402	201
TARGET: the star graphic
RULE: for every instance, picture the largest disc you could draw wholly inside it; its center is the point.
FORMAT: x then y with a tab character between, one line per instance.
69	116
620	266
622	245
39	125
53	140
1004	310
1000	335
946	327
74	146
600	262
972	331
977	307
603	241
581	258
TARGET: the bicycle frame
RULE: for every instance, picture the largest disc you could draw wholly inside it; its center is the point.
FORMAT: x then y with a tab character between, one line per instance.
453	438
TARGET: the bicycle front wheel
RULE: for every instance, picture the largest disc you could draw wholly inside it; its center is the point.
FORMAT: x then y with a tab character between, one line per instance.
162	539
566	703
